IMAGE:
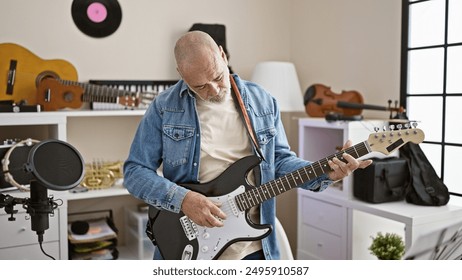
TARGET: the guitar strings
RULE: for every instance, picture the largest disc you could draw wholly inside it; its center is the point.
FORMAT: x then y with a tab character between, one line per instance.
275	187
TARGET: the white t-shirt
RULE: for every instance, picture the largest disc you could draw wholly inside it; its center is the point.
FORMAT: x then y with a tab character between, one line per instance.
224	140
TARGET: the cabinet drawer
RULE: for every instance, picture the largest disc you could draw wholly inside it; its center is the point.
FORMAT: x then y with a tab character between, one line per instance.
19	232
322	215
31	252
320	245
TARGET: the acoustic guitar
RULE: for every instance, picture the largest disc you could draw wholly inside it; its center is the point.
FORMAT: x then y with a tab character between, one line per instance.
55	94
178	237
28	79
21	72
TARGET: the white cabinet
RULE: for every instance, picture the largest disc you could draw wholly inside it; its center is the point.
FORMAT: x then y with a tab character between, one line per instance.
97	135
321	232
322	217
334	224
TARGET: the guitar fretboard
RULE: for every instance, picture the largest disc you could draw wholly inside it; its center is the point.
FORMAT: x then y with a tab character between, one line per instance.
97	93
273	188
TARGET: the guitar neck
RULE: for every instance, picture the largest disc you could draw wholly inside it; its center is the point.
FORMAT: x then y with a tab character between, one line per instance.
97	93
256	196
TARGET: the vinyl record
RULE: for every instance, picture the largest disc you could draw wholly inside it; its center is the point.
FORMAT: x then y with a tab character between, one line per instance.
97	18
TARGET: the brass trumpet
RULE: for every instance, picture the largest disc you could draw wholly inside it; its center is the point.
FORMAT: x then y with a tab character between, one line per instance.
102	174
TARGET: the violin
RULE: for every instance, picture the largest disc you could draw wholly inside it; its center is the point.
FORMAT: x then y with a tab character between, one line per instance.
320	101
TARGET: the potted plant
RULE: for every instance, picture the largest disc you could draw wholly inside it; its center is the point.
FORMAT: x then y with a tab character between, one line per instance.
387	247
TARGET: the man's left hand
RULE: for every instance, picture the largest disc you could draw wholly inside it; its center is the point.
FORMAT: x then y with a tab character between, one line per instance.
342	169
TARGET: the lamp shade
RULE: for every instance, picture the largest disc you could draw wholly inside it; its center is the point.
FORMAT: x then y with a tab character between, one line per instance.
280	80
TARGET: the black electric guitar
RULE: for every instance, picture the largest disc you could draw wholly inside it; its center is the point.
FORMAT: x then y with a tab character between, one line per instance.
177	237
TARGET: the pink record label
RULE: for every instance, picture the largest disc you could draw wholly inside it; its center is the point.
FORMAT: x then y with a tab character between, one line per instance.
97	12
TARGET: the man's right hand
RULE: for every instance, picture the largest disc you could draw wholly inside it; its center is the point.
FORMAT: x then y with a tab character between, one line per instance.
202	210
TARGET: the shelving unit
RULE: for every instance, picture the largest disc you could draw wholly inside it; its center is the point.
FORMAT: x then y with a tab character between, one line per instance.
334	224
96	135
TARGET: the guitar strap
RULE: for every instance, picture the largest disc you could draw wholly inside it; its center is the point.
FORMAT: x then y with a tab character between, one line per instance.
245	118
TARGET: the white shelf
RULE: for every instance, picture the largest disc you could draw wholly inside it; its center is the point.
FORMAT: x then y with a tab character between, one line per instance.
356	220
116	190
96	134
70	113
13	119
104	113
407	213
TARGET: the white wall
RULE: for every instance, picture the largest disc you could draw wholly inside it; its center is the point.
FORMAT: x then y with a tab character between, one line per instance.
142	46
347	45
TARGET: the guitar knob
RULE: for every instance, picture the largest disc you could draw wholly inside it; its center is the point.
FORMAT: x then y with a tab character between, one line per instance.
206	235
204	249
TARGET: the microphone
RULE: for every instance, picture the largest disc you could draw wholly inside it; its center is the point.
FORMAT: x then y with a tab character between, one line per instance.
51	164
39	207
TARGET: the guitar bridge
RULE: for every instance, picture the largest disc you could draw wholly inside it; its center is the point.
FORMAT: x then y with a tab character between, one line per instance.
11	77
189	228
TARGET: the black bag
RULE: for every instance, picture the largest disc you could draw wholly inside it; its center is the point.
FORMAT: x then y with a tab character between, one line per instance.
384	180
426	188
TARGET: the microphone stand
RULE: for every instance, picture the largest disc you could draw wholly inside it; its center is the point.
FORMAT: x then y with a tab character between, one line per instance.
38	206
8	202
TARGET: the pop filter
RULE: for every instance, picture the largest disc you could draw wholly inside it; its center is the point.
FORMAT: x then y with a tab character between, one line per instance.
56	165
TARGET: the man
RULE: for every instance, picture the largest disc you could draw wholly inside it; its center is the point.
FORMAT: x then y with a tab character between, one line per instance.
194	129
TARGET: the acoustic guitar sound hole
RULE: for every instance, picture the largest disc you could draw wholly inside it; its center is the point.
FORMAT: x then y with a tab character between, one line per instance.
45	75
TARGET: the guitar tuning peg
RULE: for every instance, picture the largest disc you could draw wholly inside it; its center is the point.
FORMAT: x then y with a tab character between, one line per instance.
384	128
414	124
392	129
376	129
399	126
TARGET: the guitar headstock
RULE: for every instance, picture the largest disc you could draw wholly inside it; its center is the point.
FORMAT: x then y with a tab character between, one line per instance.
130	101
388	141
137	99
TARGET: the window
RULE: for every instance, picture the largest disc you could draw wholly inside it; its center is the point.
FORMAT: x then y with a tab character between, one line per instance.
431	81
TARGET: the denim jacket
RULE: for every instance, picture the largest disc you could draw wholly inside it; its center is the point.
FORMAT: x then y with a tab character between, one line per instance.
169	135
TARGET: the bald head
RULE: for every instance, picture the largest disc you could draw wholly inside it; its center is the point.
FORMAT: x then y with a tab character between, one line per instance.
203	65
195	47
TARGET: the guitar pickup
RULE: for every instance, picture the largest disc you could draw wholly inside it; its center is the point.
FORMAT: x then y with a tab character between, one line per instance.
232	203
